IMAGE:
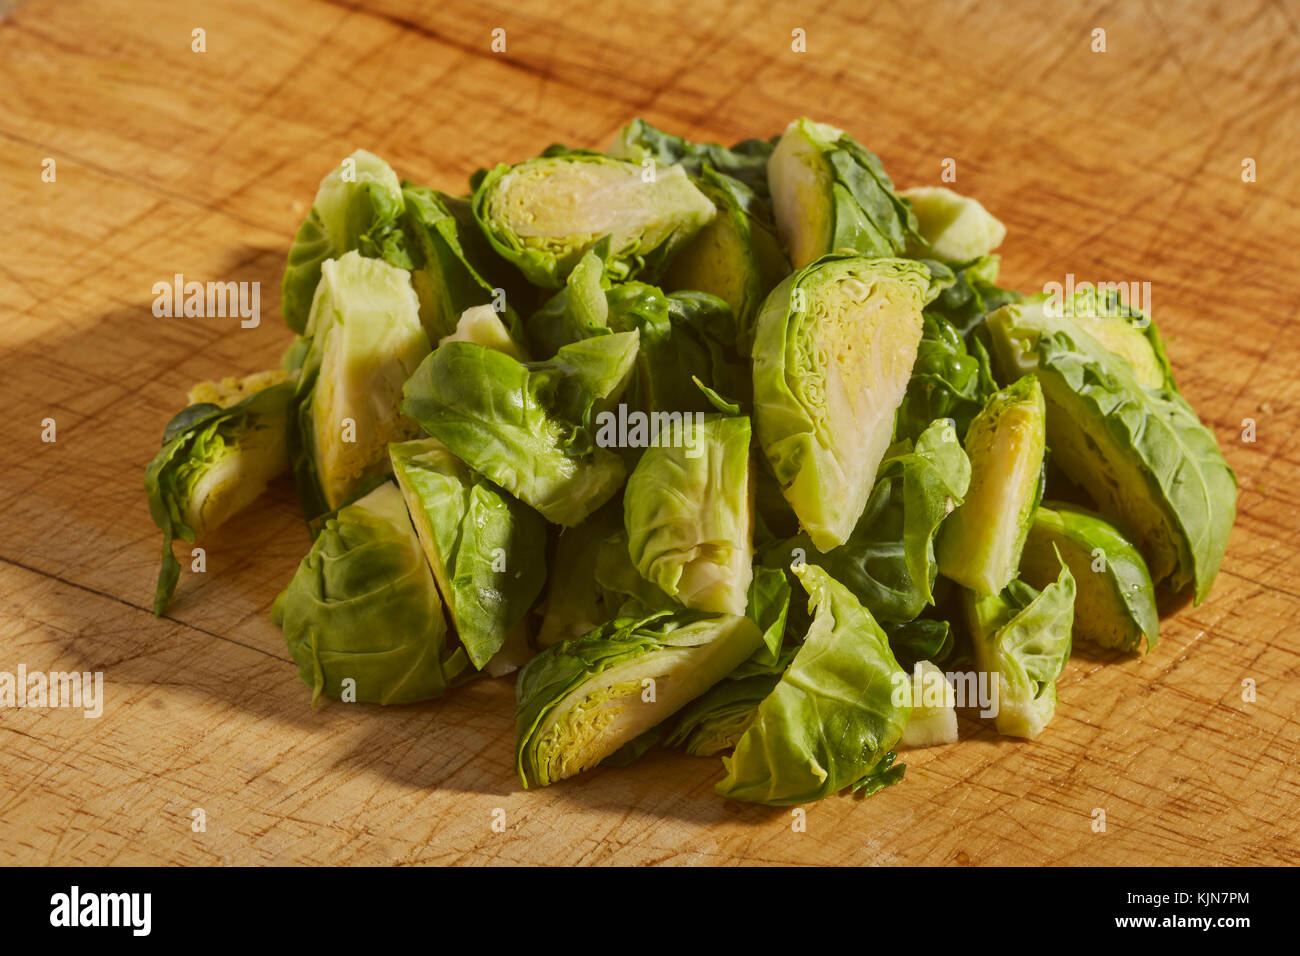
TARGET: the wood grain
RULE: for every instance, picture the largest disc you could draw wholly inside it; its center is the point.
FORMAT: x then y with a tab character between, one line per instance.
1124	165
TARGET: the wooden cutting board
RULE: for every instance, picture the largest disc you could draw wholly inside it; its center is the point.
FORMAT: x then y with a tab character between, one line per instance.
1123	165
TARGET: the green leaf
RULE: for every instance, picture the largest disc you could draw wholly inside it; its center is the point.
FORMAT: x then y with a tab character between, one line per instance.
832	717
363	607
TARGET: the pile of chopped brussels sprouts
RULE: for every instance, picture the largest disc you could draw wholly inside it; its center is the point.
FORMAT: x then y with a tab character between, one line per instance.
610	418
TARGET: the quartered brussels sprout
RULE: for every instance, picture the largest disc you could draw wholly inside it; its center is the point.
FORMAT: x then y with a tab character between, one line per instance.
1021	639
363	608
1124	331
956	228
487	550
216	459
888	562
582	700
544	213
449	259
736	257
833	351
530	428
745	162
831	194
689	514
832	717
366	340
980	544
1115	604
1141	453
934	709
358	207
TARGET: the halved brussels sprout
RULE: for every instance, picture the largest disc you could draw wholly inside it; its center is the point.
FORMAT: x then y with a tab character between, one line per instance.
980	544
1115	604
528	427
582	700
363	607
833	349
737	257
449	258
832	717
689	514
487	550
357	207
544	213
1141	453
888	563
956	227
934	709
1021	639
366	340
831	194
745	162
216	459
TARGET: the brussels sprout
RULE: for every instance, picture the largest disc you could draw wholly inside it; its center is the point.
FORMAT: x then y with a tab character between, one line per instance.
363	607
888	562
688	511
947	381
1115	603
358	207
955	227
745	162
1141	454
934	709
483	326
832	716
582	700
1021	639
1124	331
528	427
487	550
216	458
973	294
366	340
833	349
980	544
544	213
736	257
829	194
449	259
